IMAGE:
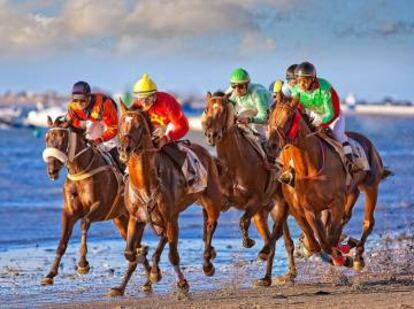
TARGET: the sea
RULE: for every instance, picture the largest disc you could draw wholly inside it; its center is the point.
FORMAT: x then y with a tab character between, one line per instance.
31	206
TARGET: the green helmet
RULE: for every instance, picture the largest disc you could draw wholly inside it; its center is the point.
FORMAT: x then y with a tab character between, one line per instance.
239	76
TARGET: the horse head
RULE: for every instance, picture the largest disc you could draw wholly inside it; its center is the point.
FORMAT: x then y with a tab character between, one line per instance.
135	133
219	116
279	125
61	143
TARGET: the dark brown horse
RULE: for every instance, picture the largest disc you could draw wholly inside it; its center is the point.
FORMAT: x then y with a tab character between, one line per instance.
248	182
321	183
92	191
157	194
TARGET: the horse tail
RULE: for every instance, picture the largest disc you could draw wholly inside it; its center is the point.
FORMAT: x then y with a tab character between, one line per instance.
387	173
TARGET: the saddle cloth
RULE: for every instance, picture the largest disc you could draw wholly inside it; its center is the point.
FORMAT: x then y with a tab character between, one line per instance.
254	139
360	157
192	164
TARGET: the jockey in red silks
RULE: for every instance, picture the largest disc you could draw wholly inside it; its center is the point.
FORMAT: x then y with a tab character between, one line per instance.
163	109
98	114
167	116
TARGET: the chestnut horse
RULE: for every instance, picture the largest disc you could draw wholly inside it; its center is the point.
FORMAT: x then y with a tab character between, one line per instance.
157	194
92	191
249	184
321	183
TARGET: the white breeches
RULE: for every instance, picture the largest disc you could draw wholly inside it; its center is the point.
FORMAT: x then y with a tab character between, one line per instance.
338	128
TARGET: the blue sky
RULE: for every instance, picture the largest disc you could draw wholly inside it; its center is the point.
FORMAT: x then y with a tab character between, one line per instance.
365	47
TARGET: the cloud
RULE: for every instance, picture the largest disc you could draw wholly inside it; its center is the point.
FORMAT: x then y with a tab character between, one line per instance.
121	27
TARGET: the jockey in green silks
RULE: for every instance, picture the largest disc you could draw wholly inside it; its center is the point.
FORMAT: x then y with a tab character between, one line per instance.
251	101
320	100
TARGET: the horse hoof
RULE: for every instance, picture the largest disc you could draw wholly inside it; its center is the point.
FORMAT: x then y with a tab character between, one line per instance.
183	285
287	278
147	287
155	276
46	281
264	282
115	292
209	270
248	243
358	266
83	270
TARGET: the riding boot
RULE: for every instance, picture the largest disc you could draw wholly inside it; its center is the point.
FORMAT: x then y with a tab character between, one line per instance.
350	160
115	155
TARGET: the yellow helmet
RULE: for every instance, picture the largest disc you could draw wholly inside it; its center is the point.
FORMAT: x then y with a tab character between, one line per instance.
277	87
145	86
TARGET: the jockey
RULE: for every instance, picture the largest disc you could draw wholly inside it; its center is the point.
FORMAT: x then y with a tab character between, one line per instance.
320	100
99	114
251	101
290	81
163	109
166	114
282	89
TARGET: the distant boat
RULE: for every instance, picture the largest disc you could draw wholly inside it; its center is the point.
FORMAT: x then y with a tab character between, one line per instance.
38	117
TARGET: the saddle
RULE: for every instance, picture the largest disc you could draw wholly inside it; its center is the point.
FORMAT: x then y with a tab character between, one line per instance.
360	156
190	165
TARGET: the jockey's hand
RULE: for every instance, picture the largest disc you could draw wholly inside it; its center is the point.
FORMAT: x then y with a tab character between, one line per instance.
162	141
242	120
157	134
97	141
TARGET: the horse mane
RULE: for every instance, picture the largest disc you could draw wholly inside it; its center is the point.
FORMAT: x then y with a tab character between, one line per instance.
308	121
146	117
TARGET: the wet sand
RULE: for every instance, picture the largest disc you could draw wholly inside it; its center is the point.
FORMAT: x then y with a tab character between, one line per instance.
386	282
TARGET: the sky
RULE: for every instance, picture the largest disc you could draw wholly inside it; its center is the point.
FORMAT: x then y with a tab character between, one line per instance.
360	46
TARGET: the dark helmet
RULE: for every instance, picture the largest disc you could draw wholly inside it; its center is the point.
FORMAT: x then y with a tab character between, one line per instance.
305	69
81	87
290	72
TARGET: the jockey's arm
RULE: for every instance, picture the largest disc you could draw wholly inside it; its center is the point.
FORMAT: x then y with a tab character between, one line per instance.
327	107
261	102
178	126
110	118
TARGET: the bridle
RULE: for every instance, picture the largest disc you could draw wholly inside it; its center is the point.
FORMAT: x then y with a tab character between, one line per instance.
69	155
136	138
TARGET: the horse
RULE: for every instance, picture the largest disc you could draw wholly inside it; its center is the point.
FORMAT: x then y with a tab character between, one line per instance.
92	191
157	194
321	183
249	182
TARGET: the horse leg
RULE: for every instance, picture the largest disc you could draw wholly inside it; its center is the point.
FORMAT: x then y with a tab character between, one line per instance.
121	223
371	195
334	234
210	214
155	272
351	199
281	214
68	221
245	223
260	221
172	234
290	247
309	242
83	265
134	236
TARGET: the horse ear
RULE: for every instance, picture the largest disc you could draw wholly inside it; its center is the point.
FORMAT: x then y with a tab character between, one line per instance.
49	121
209	95
123	107
65	124
227	96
